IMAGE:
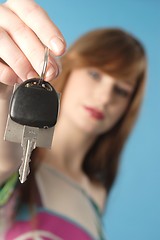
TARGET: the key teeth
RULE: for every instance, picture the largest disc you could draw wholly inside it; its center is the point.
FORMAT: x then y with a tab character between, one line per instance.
21	180
21	177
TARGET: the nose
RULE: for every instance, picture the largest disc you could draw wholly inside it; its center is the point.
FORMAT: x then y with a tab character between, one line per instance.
104	93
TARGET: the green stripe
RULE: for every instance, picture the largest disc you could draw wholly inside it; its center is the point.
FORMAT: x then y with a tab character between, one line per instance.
7	189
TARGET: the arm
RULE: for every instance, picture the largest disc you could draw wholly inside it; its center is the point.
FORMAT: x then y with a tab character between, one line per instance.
22	51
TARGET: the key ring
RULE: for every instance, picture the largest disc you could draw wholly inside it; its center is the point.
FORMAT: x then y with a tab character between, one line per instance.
46	54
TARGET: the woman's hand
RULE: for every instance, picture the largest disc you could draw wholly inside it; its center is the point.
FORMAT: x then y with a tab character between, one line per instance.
24	30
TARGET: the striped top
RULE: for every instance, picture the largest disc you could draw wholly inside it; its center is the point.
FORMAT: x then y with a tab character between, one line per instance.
66	212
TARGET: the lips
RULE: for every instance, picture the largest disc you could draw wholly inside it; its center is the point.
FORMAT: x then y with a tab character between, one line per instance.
95	113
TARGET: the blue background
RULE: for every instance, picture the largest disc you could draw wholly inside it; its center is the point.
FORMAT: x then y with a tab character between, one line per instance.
133	207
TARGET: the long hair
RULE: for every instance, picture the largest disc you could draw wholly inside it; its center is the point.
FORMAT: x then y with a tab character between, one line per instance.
122	56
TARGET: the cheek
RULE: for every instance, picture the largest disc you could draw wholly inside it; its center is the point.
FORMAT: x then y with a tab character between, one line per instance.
119	110
113	115
71	99
76	92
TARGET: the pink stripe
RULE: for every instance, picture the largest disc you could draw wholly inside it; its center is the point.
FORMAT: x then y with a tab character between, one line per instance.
49	223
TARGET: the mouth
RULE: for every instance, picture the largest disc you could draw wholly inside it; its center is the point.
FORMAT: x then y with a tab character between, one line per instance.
94	113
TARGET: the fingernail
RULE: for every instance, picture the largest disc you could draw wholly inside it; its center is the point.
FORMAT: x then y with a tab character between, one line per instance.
57	45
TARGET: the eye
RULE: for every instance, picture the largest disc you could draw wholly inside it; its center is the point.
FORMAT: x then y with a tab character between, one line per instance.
121	91
95	74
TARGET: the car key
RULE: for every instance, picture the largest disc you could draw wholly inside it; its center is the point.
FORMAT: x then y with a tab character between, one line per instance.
32	115
28	143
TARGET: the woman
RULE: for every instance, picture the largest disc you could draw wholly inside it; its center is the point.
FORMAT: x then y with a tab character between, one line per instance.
101	84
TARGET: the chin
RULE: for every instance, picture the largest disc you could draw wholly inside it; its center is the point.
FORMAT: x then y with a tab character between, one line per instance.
90	126
90	130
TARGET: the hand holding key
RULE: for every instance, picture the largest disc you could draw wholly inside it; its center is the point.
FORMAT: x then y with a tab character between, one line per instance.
22	55
22	41
32	116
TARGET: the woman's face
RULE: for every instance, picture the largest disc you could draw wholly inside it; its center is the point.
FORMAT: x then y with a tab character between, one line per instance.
94	101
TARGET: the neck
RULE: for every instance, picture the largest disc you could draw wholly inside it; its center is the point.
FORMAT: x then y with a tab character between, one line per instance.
70	145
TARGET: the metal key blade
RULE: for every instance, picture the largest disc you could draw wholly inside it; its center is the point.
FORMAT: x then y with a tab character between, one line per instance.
29	138
24	168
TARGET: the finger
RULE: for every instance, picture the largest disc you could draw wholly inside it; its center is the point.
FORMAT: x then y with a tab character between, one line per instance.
7	75
13	56
38	20
53	62
28	42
